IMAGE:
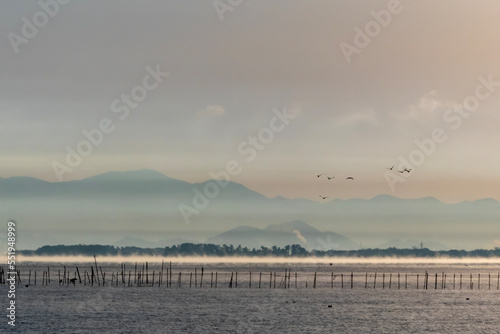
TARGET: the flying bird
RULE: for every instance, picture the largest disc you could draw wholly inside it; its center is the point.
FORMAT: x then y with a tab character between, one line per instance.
407	170
329	178
349	178
318	175
390	168
323	197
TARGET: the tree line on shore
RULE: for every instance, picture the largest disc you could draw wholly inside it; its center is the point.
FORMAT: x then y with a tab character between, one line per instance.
191	249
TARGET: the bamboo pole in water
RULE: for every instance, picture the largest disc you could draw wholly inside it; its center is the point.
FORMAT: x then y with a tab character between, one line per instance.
96	271
170	273
161	277
201	278
79	278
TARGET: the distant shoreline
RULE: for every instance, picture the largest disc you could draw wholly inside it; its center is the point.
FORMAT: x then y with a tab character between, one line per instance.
229	252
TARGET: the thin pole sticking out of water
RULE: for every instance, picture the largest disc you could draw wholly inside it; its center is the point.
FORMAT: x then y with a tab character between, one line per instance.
96	270
79	278
201	278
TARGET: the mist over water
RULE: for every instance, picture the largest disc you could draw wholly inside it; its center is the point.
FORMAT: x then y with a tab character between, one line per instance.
241	260
386	296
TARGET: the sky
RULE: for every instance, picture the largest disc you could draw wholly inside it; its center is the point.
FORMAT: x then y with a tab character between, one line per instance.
359	83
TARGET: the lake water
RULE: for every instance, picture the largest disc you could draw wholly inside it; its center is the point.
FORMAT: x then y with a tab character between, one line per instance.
391	307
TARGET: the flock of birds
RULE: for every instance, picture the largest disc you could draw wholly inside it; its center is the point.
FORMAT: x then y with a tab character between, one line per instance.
406	170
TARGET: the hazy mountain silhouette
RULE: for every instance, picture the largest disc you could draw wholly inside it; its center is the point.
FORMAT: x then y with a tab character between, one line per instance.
145	204
288	233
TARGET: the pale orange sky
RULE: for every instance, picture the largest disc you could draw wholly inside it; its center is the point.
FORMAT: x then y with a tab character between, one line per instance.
226	77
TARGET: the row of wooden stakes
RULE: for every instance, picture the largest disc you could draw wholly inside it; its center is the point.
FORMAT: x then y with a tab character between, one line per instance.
141	276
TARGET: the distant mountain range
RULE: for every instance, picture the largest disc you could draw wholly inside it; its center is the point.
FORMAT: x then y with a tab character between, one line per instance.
145	204
289	233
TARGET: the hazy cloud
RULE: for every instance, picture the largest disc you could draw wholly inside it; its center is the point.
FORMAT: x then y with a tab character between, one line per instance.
211	111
